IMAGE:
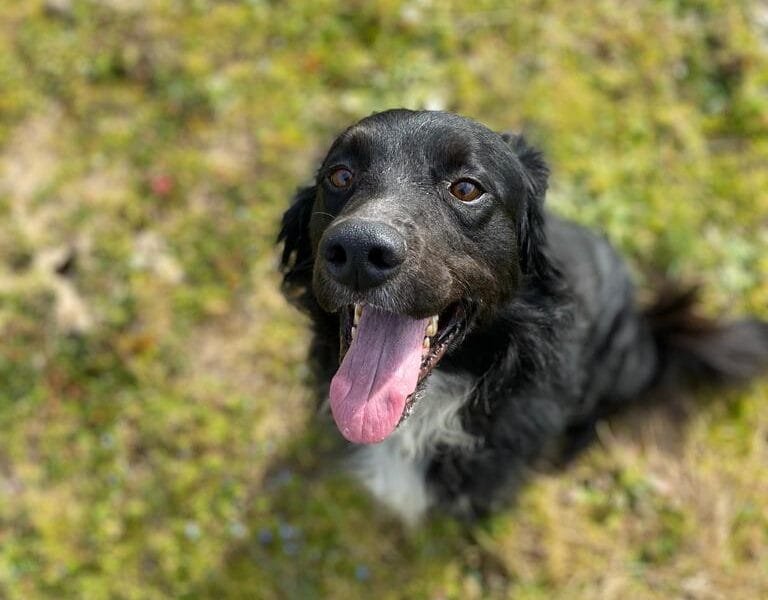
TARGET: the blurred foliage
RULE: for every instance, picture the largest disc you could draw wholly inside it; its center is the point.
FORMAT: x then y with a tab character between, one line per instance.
155	439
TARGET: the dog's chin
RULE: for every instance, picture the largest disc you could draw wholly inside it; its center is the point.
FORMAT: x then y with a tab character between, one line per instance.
385	359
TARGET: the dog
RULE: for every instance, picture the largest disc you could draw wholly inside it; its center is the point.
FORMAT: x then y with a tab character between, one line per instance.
460	331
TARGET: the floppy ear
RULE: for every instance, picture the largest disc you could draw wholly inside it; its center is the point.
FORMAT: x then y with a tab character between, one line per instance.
530	225
296	261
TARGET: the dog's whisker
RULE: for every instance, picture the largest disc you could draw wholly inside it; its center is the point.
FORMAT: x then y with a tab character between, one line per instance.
324	214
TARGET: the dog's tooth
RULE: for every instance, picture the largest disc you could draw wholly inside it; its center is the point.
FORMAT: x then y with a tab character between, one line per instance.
425	343
358	313
354	332
432	327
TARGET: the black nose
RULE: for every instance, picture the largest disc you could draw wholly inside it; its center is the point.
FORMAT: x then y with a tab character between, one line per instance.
362	254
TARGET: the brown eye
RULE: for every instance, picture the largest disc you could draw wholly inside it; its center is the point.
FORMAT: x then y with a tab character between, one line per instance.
466	190
341	178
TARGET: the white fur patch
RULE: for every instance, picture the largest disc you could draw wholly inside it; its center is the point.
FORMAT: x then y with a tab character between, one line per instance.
394	470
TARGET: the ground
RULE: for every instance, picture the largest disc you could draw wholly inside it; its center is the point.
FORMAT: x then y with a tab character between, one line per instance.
156	430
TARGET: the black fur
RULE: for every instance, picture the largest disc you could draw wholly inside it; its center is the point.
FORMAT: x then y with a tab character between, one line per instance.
552	337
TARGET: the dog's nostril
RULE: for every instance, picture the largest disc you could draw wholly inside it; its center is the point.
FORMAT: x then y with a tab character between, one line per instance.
381	258
336	255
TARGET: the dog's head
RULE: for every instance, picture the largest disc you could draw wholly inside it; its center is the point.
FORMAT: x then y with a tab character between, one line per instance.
419	225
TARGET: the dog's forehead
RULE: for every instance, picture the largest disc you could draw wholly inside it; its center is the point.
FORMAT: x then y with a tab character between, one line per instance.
417	140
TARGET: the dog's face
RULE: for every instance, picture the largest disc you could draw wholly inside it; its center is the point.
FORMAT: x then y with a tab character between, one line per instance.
420	225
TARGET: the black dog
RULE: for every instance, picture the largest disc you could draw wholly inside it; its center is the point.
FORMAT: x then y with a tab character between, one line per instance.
423	248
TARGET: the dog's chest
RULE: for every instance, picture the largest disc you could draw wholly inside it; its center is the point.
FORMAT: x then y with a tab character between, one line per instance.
394	470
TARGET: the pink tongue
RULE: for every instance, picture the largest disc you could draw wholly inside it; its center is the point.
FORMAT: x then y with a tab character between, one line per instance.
379	371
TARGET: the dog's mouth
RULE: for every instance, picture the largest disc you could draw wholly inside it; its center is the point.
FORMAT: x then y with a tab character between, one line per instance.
385	357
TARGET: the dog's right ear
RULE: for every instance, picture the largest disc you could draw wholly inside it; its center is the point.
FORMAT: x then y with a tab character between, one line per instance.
296	261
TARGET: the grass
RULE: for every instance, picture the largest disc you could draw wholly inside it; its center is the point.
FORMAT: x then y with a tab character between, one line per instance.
156	429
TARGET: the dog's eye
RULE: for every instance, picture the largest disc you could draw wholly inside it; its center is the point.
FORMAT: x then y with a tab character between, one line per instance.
341	178
466	190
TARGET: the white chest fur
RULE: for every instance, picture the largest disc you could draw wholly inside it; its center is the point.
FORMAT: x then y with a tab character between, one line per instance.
394	470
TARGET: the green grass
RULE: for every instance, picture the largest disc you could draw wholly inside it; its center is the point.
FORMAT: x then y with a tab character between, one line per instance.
155	428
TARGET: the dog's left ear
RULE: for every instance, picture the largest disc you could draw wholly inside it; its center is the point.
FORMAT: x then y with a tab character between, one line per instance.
296	260
530	225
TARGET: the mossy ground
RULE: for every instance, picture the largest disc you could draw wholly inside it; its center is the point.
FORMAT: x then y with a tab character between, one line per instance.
155	436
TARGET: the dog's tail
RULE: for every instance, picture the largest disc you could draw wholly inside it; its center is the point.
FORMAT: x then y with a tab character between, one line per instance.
691	348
